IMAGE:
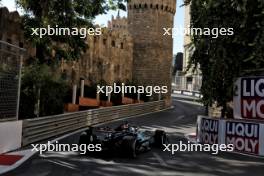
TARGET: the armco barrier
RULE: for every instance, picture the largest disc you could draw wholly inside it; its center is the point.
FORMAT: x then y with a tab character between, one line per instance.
247	136
35	130
188	93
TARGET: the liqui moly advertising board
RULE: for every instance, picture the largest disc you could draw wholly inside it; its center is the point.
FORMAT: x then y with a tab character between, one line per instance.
244	136
209	131
249	98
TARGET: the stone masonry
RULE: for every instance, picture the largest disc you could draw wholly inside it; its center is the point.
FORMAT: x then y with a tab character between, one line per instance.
152	50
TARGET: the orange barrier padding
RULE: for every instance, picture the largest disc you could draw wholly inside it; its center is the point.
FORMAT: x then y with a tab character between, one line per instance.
88	102
126	100
71	107
106	103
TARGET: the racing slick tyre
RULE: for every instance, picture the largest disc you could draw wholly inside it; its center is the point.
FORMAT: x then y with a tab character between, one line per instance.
87	139
129	144
160	138
83	138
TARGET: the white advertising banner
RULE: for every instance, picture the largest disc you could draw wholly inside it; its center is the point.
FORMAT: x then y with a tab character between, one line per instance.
10	136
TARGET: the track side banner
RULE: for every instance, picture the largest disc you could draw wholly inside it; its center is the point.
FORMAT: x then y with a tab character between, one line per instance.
208	131
244	136
249	98
247	137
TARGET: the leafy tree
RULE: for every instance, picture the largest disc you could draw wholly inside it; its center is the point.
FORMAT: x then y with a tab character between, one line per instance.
225	58
65	14
40	83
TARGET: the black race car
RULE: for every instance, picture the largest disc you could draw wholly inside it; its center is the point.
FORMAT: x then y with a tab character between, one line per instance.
125	139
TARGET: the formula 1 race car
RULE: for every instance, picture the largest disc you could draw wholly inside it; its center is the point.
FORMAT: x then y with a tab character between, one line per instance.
125	139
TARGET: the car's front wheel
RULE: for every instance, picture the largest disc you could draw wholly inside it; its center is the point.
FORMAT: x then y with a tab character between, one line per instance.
129	144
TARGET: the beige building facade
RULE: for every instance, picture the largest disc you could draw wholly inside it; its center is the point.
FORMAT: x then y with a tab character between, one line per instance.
190	81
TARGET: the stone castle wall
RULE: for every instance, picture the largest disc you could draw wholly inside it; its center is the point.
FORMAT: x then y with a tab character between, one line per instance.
11	30
109	57
152	50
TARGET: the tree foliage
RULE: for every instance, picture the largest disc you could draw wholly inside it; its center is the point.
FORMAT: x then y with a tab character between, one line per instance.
225	58
39	82
65	14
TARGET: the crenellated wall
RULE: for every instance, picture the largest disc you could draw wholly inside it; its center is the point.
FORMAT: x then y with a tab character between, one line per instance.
162	5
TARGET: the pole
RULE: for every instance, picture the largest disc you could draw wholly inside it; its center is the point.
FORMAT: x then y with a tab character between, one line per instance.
19	86
109	97
97	95
74	92
82	88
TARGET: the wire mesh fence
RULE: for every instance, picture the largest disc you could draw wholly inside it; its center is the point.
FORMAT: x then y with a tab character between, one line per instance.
10	72
188	83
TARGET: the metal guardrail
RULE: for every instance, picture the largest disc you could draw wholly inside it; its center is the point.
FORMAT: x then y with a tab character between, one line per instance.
187	93
39	129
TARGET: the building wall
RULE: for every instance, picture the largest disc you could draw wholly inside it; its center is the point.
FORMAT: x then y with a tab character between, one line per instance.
11	30
187	38
191	81
152	50
118	23
109	56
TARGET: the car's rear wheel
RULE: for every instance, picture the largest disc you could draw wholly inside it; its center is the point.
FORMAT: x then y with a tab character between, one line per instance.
160	138
129	144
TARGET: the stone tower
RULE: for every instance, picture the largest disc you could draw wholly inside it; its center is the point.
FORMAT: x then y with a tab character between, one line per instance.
152	53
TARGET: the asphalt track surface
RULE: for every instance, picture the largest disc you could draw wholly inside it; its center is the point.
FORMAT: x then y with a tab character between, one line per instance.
177	122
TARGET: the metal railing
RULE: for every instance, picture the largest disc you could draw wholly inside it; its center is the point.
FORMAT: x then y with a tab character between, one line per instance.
39	129
189	83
